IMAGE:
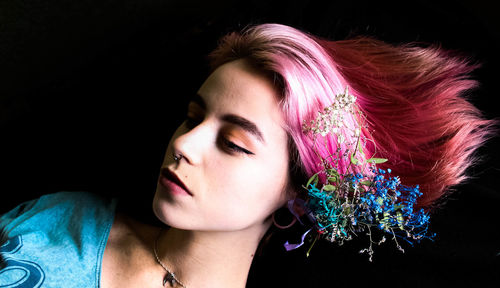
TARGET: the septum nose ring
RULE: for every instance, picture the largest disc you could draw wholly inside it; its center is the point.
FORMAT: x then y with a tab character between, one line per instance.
177	157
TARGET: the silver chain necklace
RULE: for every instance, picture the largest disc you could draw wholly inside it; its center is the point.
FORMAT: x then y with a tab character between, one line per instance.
170	277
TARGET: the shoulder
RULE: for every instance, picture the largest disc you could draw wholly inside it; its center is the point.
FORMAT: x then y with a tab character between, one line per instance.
57	208
73	200
57	236
57	200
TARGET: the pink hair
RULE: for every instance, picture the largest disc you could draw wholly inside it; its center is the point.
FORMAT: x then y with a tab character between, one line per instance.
411	97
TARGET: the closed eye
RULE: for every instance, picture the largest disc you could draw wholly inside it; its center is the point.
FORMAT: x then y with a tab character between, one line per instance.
233	148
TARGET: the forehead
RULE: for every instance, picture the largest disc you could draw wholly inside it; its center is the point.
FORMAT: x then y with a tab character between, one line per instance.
237	88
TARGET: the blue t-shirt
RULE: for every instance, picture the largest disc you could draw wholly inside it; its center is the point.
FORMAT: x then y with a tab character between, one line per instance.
57	240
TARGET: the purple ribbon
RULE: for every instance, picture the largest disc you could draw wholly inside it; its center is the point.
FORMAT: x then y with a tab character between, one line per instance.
289	246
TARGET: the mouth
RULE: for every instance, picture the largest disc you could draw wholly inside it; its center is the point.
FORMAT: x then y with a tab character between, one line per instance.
169	176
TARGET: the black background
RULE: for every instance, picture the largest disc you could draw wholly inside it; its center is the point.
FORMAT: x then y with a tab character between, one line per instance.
90	92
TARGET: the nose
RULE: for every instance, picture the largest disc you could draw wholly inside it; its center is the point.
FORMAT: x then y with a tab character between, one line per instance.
192	144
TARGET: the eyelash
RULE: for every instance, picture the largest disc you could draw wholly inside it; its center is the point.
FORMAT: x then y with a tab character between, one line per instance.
230	146
235	148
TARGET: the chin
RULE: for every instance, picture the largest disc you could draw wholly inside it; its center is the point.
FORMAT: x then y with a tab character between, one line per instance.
172	215
159	207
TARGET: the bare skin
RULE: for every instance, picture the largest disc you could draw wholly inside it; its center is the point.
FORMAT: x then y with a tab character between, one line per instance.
236	178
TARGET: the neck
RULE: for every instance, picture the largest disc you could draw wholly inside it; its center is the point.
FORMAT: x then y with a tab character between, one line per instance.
208	258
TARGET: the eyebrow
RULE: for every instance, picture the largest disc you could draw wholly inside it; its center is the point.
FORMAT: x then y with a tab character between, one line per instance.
244	124
239	121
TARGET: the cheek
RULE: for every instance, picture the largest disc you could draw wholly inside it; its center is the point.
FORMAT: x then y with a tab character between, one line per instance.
249	194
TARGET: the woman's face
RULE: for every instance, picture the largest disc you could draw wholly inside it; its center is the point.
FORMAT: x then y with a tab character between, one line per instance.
234	155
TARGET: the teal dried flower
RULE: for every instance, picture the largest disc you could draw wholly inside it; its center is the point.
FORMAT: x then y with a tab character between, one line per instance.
351	203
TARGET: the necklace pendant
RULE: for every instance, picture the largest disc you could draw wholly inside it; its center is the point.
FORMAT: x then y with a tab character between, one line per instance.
170	278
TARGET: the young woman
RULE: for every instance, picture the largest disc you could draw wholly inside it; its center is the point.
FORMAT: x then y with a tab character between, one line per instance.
254	134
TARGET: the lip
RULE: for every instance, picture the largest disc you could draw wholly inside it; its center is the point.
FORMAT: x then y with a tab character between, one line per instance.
171	181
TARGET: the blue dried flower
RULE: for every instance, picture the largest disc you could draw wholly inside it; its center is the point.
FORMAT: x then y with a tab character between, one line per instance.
351	203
